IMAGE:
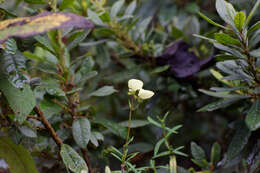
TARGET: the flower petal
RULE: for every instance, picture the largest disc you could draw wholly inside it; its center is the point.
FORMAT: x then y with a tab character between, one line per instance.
135	84
145	94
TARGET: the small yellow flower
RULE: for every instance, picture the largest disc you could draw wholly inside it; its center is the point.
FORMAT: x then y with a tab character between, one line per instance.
145	94
135	85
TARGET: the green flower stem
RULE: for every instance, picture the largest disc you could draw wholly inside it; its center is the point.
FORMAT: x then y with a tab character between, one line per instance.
131	108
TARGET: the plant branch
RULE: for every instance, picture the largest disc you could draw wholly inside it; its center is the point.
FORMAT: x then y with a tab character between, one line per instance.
85	157
48	126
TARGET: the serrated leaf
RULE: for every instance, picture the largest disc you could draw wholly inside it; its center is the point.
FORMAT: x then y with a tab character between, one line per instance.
215	153
239	20
253	116
116	8
225	39
104	91
72	159
81	131
17	157
238	141
218	104
29	26
22	101
197	152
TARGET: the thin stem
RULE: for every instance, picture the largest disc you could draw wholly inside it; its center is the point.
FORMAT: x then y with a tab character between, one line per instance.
85	156
48	126
128	136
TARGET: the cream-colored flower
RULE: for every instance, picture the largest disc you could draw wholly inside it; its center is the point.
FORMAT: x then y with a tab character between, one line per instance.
107	170
84	171
134	85
145	94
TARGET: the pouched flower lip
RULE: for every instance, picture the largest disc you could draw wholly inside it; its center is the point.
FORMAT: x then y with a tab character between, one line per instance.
135	85
145	94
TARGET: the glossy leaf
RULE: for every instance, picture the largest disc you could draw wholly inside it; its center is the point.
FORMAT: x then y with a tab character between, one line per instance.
72	159
225	39
29	26
253	116
17	157
226	11
81	130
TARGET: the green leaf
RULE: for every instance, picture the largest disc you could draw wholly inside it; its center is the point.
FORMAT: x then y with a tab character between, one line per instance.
17	157
22	101
135	123
26	131
223	94
225	39
115	128
116	8
24	27
131	8
255	53
197	152
66	4
35	1
226	11
239	20
160	69
253	116
218	104
211	21
81	131
72	159
234	52
215	153
253	28
239	141
104	91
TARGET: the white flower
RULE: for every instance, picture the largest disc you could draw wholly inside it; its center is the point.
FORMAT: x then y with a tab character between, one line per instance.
107	170
145	94
84	171
134	85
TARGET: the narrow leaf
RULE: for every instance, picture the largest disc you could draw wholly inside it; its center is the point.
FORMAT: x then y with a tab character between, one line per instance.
225	39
